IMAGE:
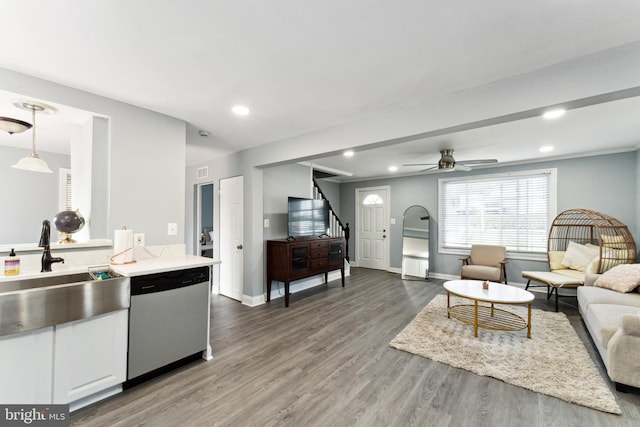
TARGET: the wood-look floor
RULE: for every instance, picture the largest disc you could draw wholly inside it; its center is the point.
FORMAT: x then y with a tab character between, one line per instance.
325	361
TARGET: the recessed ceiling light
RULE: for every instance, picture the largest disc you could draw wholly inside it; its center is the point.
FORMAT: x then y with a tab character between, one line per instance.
546	148
554	114
393	168
348	153
240	110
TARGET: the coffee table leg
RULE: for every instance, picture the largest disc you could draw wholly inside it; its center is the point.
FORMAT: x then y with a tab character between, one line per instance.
448	306
529	321
475	318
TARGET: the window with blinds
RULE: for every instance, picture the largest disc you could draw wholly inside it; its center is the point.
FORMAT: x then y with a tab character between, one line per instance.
513	210
64	190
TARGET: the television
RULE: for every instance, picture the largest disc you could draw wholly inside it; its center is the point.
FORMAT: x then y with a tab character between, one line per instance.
308	217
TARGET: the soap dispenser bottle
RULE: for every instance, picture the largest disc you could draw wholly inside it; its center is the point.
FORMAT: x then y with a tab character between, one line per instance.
12	264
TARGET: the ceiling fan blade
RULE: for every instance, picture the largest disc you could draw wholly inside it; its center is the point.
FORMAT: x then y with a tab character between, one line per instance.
429	169
461	167
476	162
420	164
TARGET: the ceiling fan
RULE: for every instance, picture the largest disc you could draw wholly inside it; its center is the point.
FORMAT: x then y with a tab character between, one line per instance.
448	163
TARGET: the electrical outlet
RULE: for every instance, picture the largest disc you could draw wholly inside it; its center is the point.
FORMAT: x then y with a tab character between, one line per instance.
138	239
172	229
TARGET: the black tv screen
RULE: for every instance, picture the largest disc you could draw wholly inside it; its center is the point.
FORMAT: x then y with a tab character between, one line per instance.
308	217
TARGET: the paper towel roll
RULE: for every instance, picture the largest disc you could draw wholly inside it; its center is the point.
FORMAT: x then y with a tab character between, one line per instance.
122	247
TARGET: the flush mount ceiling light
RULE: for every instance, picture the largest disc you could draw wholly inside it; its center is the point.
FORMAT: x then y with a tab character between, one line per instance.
546	148
348	153
12	126
554	114
240	110
393	168
33	162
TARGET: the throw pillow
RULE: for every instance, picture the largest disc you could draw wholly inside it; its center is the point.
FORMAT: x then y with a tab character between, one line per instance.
616	242
621	278
578	256
555	260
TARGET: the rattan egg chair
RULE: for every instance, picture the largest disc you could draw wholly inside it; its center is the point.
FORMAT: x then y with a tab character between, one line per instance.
583	226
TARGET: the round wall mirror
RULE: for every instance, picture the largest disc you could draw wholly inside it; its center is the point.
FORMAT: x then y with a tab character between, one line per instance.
415	243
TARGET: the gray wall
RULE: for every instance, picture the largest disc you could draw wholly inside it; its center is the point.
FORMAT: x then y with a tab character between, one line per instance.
605	183
27	197
144	160
280	182
331	190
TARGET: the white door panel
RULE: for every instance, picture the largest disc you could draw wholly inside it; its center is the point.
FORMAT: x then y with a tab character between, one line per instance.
372	229
231	235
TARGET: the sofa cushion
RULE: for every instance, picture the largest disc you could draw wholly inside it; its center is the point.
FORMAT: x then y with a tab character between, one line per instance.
592	295
605	319
578	256
621	278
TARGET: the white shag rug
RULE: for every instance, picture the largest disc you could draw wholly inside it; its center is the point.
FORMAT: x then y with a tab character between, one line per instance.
553	362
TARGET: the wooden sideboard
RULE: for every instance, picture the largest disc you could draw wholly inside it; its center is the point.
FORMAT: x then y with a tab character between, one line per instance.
289	260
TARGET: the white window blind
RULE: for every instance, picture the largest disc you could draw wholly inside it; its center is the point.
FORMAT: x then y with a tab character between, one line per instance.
513	210
64	190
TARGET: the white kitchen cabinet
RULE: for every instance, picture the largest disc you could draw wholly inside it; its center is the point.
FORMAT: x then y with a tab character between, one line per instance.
90	356
26	366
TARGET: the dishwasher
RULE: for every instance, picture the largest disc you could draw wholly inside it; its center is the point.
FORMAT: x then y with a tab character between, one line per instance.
168	321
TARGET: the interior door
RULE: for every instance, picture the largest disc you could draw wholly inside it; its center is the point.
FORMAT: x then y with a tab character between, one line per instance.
231	231
372	227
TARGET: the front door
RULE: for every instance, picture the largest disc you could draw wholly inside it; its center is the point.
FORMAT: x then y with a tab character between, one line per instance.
372	227
231	231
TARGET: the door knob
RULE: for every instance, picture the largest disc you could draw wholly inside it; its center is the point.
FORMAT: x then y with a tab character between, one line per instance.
384	236
239	246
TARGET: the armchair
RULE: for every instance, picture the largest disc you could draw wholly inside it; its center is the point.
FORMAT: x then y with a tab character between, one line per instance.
485	262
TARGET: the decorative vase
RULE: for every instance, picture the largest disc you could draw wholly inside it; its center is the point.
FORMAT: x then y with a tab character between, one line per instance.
67	223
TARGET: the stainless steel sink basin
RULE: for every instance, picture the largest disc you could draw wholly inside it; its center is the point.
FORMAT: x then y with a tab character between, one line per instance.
30	304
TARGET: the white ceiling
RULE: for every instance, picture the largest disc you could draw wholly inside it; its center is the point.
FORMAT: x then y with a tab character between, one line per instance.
304	67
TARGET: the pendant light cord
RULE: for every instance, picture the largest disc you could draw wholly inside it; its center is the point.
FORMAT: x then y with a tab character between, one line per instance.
33	135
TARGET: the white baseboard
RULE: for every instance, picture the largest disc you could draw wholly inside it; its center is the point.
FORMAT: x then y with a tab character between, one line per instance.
96	397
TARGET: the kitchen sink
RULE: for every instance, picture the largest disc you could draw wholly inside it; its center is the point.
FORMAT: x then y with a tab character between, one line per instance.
29	304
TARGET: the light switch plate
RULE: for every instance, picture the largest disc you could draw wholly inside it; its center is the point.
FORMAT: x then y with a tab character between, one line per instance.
393	220
172	229
266	223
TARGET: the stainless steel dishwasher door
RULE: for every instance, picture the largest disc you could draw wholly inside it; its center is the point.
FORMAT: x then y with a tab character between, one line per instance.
166	326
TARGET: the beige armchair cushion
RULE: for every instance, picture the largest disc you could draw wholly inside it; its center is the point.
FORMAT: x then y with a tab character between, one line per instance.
486	262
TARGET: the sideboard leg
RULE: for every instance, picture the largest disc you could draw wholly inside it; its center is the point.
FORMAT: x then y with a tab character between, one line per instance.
286	294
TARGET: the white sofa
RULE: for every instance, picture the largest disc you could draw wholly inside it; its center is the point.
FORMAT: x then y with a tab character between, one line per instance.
613	321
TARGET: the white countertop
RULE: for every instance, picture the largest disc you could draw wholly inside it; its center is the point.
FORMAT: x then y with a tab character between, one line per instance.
159	265
139	268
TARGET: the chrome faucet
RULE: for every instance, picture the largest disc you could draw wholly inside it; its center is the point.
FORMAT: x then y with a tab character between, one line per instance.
45	237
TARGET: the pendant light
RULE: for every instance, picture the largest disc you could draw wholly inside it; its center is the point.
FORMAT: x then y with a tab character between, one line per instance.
33	162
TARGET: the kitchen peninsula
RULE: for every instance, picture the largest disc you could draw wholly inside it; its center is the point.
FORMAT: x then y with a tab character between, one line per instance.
64	337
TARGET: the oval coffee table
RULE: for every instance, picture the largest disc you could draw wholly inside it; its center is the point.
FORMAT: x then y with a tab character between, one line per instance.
488	317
